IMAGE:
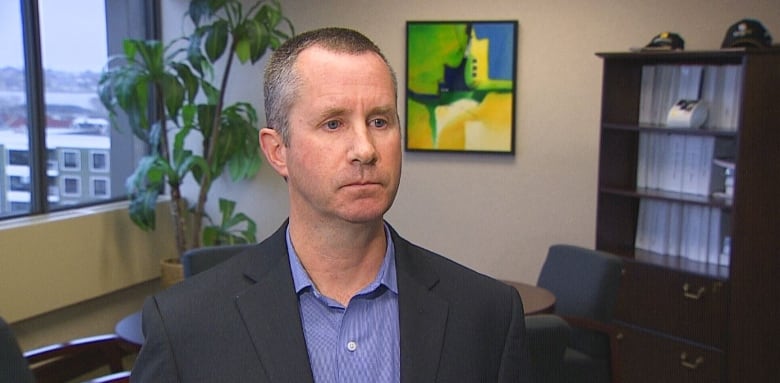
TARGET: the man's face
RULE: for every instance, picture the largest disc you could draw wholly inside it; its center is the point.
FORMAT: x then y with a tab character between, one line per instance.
344	156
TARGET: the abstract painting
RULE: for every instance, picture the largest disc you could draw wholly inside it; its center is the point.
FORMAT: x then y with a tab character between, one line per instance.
461	86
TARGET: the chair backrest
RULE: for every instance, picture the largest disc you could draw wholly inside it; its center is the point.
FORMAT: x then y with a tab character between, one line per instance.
197	260
61	362
585	283
64	362
13	365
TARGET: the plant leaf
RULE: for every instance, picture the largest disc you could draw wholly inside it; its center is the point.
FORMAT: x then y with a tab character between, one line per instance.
187	78
260	38
173	92
212	92
206	113
194	54
229	231
269	15
226	207
199	9
216	39
210	235
142	209
243	50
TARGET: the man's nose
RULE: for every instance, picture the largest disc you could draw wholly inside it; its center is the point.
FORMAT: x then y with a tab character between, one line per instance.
363	146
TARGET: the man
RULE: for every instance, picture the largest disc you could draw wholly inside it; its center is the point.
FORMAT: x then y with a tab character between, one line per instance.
335	295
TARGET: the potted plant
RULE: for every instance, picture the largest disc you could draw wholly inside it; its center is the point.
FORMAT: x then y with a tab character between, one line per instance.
169	93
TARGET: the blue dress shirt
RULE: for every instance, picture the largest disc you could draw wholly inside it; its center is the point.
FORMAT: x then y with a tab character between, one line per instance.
358	343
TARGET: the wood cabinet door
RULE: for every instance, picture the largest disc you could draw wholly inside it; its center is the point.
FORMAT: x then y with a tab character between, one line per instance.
646	357
677	303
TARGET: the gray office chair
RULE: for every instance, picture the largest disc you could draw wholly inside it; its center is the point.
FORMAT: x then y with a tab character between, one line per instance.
585	283
197	260
547	336
62	362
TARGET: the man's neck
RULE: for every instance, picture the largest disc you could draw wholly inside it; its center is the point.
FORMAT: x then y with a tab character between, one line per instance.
340	259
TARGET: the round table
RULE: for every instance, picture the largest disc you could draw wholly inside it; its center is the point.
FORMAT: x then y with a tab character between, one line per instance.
129	329
536	300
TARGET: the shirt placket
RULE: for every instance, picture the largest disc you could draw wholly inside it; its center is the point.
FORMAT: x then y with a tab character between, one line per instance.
352	344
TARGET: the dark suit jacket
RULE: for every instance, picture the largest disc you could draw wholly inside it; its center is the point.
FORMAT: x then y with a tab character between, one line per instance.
240	322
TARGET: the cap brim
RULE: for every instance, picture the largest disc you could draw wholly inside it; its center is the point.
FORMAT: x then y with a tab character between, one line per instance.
744	43
660	48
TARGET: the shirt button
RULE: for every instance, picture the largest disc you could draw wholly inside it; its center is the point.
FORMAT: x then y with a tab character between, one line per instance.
351	345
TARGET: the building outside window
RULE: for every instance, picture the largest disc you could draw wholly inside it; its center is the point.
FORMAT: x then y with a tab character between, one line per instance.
101	187
51	119
98	161
53	189
19	183
71	160
71	186
19	206
18	157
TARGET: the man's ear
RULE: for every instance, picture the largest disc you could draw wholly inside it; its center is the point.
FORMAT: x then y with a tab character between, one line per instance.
274	150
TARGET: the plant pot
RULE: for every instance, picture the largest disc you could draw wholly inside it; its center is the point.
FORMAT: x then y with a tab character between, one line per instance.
171	272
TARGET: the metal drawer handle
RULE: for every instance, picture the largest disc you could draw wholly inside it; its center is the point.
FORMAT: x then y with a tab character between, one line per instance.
691	365
691	295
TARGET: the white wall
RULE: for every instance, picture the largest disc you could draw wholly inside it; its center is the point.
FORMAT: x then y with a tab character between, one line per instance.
499	214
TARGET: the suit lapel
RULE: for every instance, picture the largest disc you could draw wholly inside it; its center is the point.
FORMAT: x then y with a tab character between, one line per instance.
422	315
269	309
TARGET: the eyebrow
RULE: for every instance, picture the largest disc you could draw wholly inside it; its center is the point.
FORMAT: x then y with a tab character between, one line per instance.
338	111
330	113
382	110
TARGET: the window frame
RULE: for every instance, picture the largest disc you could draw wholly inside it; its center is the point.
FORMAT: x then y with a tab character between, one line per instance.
121	16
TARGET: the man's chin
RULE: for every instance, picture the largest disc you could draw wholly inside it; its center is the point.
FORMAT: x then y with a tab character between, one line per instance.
365	215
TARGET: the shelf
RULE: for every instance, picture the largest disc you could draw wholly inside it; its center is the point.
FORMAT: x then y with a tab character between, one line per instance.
663	130
669	196
682	264
673	263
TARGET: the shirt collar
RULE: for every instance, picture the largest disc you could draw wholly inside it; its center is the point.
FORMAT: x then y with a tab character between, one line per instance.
386	275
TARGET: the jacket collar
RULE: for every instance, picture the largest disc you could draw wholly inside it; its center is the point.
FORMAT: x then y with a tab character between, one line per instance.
422	313
269	309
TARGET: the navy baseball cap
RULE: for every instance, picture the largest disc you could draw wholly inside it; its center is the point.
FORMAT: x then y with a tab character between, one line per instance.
747	33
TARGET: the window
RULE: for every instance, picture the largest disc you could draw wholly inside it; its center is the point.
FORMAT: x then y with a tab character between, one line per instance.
19	206
53	128
71	186
71	160
18	157
19	183
98	161
101	187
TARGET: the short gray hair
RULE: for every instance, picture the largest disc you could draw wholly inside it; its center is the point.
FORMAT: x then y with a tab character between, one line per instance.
281	82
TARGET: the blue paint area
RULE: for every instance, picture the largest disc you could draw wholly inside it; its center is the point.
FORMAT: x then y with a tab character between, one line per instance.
500	52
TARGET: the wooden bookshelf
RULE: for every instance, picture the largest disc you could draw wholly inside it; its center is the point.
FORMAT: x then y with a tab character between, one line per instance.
684	319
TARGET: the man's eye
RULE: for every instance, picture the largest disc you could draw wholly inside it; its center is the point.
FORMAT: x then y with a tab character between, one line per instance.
333	124
379	123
